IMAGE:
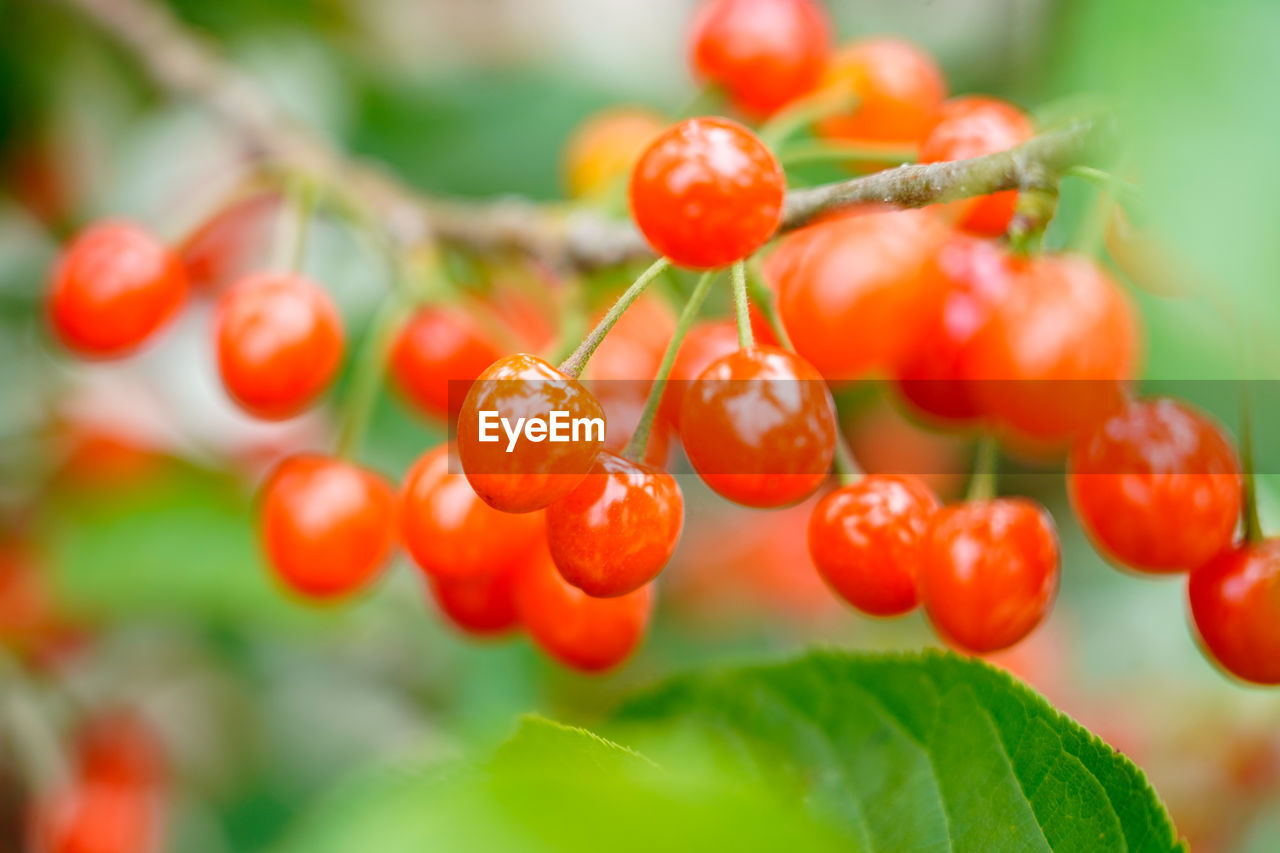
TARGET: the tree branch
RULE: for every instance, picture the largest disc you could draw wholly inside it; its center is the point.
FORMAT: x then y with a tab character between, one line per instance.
184	65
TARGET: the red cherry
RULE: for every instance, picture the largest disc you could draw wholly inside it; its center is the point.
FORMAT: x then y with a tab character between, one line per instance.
968	278
1235	604
851	291
589	634
971	127
1057	349
707	193
113	287
898	87
232	242
279	342
534	474
762	53
989	572
328	526
617	530
440	345
865	540
453	535
759	427
483	606
1156	486
703	344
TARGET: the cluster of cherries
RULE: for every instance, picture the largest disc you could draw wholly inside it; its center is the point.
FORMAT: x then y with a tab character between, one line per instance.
566	539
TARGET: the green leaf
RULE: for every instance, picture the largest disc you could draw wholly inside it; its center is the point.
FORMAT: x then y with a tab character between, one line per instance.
558	788
915	752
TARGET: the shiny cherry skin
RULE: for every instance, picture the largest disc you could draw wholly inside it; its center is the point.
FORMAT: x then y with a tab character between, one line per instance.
451	534
703	344
602	151
759	427
328	526
585	633
989	572
112	289
617	530
279	341
851	291
899	91
230	243
971	127
968	277
1057	351
707	193
482	606
440	346
762	54
535	474
1157	486
1235	605
865	541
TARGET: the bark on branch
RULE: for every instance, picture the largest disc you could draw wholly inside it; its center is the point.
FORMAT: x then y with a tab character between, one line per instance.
183	64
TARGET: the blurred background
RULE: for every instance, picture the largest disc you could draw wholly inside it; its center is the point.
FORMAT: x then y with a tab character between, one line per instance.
129	572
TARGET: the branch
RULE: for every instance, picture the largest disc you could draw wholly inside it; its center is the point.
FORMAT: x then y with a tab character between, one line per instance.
181	63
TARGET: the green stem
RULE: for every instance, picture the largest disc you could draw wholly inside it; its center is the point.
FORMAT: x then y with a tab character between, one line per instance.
982	483
767	301
1036	207
577	360
803	113
1252	523
368	371
639	442
292	247
838	152
847	468
740	305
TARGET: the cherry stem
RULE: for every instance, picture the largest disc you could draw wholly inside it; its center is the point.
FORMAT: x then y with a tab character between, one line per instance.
767	301
800	114
741	306
639	442
1037	203
1252	522
982	483
841	152
294	225
577	360
370	367
847	468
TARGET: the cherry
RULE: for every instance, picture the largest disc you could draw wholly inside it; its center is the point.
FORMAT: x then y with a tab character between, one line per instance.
971	127
586	633
899	92
533	475
604	149
113	287
328	526
759	427
1056	351
439	345
851	290
865	540
484	606
279	341
616	531
968	278
1235	604
703	344
1156	486
232	242
453	535
989	572
707	193
761	53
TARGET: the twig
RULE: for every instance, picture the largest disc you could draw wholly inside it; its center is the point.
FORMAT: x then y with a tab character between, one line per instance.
184	65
